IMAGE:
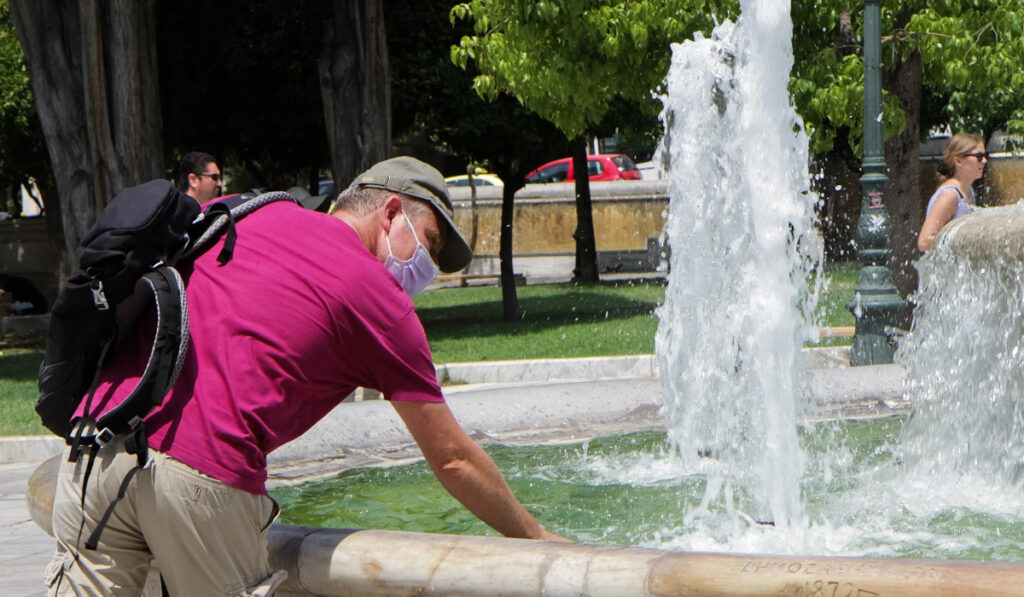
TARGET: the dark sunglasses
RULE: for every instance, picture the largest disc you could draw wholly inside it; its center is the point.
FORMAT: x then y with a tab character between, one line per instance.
981	155
214	177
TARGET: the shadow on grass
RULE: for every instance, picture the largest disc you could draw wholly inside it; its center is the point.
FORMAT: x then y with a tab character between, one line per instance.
20	365
569	306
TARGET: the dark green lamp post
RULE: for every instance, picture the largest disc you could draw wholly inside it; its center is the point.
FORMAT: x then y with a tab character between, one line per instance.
875	302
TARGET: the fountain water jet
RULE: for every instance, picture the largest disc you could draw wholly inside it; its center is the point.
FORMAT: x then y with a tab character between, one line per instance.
741	227
963	354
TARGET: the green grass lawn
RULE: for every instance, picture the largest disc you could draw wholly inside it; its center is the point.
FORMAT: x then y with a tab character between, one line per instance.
464	324
19	368
558	320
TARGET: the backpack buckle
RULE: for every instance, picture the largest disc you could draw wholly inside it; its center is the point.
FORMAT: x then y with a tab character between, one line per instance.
104	437
99	298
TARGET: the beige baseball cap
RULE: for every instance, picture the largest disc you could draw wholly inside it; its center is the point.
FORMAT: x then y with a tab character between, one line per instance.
413	178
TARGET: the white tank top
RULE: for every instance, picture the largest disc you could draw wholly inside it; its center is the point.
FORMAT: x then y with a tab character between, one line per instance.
962	206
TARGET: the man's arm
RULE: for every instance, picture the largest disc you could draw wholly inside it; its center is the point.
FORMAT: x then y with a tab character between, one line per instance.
467	471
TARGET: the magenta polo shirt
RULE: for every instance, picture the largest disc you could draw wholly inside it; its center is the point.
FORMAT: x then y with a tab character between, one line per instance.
301	316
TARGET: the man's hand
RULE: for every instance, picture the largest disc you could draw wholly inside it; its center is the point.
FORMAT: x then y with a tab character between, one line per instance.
466	471
553	537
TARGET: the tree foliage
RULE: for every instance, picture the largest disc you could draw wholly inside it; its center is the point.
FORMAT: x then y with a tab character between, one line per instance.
946	64
568	60
972	57
434	98
22	149
971	53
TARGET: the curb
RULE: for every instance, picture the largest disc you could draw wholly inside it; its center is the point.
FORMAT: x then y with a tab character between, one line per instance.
589	368
459	378
593	368
29	448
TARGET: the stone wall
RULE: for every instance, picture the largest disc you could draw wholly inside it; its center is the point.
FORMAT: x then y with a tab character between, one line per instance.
26	251
629	217
626	214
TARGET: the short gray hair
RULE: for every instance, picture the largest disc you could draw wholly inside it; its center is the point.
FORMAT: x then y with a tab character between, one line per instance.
360	201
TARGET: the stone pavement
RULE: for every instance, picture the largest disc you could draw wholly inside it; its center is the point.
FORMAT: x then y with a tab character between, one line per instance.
25	549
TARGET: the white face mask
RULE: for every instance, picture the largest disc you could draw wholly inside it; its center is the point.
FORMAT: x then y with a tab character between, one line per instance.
415	273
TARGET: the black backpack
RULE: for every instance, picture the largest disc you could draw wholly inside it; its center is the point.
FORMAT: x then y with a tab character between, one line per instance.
128	262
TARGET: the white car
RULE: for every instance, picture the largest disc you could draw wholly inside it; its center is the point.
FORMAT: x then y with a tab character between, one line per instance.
480	180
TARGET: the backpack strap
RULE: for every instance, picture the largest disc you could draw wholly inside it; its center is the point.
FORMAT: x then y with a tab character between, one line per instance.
166	357
223	218
220	217
142	461
94	538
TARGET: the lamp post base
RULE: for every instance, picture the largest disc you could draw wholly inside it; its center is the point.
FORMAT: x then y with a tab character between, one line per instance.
875	304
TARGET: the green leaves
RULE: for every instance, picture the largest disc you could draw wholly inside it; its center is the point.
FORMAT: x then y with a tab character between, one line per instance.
972	54
567	60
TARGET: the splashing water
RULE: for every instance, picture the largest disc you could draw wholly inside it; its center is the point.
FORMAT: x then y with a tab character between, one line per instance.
963	359
741	229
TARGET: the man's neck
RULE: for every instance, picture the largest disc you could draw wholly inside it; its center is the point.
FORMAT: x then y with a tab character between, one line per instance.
363	226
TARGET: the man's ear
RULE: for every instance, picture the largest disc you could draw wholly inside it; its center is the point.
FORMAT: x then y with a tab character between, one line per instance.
392	209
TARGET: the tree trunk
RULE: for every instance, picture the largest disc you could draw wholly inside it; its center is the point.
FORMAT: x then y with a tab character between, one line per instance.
356	88
94	75
836	183
509	298
903	189
586	246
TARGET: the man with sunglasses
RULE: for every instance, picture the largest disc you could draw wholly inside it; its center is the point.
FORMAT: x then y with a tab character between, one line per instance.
199	177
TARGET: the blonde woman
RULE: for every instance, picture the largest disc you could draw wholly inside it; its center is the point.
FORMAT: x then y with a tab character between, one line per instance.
964	162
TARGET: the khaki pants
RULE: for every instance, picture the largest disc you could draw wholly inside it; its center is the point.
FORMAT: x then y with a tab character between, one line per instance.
206	537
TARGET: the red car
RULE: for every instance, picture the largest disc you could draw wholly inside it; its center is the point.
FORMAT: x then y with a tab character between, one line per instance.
612	166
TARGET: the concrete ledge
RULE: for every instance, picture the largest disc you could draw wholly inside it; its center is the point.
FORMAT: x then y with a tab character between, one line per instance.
29	448
867	391
371	433
531	401
344	562
626	395
593	368
547	370
384	563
